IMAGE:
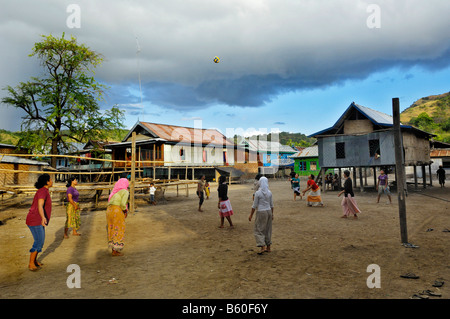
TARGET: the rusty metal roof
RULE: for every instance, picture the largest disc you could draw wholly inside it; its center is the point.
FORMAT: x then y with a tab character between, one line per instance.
440	153
174	133
312	151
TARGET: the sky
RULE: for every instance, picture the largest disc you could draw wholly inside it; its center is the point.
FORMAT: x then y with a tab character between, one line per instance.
285	65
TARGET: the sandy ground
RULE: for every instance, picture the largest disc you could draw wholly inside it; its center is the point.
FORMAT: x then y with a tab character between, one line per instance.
173	251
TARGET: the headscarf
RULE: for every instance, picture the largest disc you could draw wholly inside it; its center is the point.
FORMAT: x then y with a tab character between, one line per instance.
120	184
264	186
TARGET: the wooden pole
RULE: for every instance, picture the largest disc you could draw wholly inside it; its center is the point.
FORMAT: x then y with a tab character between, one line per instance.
424	177
400	170
415	177
431	176
133	171
375	177
139	162
340	178
365	176
361	184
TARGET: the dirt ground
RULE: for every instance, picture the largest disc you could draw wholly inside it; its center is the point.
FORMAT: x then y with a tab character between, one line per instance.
172	251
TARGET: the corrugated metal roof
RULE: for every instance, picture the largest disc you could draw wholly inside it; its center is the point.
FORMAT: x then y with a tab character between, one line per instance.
312	151
376	117
21	160
174	133
440	153
268	146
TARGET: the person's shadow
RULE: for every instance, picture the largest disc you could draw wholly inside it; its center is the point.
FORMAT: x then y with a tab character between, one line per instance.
59	237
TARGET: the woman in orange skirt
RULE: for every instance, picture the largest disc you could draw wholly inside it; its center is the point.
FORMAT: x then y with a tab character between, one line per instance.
115	216
314	198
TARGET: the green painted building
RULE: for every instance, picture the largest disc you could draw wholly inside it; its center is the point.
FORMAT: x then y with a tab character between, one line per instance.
306	161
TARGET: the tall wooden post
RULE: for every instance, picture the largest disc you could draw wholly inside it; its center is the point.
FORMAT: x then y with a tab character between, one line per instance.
431	176
340	178
375	182
133	170
400	170
361	184
415	177
424	177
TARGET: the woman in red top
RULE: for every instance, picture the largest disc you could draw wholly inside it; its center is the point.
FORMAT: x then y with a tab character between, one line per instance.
314	197
38	217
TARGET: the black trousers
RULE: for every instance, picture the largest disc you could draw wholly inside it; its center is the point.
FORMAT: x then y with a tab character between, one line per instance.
201	196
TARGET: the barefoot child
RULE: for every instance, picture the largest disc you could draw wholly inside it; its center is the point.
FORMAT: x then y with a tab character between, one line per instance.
152	194
296	186
383	186
224	205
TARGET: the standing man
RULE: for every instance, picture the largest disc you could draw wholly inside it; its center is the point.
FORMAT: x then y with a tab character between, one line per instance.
200	192
441	175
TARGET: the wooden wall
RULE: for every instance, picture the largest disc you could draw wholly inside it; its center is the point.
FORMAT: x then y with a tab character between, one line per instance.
11	178
417	150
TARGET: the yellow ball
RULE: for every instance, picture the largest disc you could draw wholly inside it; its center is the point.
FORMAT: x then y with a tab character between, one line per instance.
216	59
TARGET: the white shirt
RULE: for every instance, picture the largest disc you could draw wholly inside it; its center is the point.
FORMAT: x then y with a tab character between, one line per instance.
152	190
262	202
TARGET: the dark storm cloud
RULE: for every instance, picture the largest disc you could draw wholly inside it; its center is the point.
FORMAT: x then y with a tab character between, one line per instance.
267	48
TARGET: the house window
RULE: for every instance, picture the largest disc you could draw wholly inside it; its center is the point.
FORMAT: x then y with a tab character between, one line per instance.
302	166
313	166
340	150
374	147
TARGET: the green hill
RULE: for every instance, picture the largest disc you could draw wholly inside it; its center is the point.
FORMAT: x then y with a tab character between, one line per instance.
7	137
431	114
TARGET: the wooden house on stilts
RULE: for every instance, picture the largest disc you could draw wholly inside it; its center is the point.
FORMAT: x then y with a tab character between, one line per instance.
363	139
170	151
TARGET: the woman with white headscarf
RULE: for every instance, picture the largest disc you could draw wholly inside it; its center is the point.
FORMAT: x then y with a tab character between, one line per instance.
263	205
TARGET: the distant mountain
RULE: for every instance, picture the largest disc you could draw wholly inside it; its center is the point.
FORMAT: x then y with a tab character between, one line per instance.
431	114
287	138
7	137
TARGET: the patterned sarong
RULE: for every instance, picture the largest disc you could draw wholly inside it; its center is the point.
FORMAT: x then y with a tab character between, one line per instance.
115	227
72	217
